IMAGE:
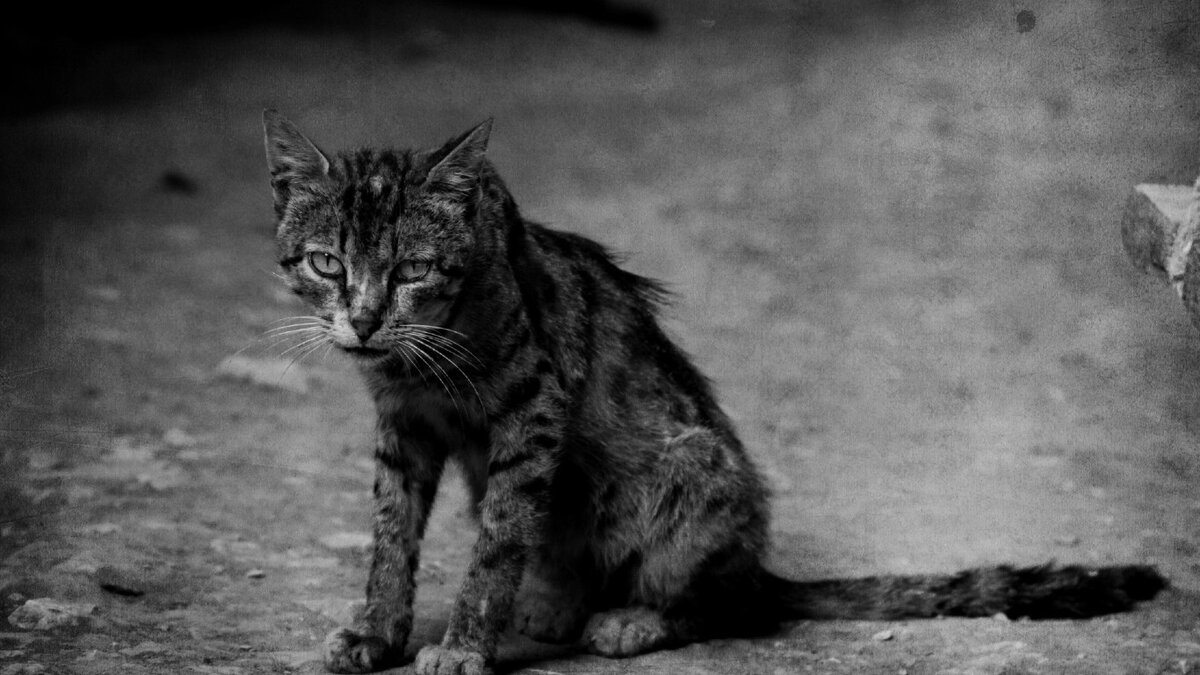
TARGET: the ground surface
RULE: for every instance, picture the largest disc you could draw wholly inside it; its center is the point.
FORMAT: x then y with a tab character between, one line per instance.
893	233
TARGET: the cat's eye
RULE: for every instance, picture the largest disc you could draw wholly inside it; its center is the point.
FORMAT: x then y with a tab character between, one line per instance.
325	264
412	270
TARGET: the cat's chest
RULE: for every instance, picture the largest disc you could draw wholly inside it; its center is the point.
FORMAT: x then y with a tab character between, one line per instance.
430	422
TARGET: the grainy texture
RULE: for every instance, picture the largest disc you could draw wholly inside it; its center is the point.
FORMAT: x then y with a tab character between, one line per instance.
599	462
889	226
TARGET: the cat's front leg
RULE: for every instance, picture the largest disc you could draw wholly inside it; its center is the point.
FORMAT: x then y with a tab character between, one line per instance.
523	459
405	485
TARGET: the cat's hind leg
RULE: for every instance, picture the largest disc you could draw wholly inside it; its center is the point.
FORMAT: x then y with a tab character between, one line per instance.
704	529
553	602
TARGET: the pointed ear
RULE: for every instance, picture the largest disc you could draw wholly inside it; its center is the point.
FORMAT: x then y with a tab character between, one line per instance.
292	158
458	169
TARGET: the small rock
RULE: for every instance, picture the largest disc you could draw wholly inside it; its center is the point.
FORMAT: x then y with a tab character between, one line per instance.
1001	617
146	647
999	647
346	540
431	570
100	528
883	636
119	581
178	438
16	597
47	613
84	562
255	574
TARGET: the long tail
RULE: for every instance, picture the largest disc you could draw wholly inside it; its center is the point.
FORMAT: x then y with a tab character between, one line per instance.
1041	592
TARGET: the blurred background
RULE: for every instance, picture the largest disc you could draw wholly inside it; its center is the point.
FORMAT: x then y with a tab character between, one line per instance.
891	228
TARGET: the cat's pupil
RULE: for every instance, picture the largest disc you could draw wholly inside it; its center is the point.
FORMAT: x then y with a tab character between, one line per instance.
412	270
325	264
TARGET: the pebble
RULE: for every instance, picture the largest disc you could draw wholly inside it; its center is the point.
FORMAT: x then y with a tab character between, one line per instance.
146	647
100	528
255	574
883	636
47	613
84	562
119	581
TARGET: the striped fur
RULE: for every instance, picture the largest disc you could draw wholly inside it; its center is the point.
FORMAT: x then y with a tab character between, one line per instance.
607	479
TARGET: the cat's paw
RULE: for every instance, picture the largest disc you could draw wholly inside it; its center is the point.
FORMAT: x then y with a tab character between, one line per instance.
349	652
547	617
438	660
626	632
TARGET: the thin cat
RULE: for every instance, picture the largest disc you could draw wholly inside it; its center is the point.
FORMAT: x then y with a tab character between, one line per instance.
609	485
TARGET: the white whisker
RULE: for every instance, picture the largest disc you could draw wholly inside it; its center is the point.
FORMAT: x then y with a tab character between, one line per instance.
440	351
454	347
442	377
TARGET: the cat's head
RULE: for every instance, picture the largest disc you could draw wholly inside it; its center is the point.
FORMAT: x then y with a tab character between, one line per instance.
378	243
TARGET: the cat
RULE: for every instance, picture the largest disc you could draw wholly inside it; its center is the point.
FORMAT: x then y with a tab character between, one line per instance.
608	483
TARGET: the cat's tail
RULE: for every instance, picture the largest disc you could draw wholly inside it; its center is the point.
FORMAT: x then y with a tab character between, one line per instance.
1041	592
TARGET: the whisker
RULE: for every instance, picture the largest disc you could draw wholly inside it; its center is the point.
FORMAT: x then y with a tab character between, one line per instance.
296	317
439	351
454	347
302	344
303	353
442	377
406	356
257	341
429	327
311	321
291	330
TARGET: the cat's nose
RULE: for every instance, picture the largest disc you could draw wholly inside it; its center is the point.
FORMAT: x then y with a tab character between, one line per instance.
365	326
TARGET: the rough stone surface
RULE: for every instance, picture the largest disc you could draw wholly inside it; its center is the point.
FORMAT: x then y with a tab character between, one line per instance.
48	614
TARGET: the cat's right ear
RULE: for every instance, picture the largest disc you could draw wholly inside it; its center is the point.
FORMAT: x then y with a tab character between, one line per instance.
292	158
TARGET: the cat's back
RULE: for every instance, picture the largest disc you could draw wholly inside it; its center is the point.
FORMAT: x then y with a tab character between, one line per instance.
601	324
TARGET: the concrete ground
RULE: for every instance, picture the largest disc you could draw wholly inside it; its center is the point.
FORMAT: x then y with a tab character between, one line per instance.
891	228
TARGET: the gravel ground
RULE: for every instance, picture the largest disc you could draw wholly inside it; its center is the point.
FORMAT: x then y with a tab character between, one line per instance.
891	228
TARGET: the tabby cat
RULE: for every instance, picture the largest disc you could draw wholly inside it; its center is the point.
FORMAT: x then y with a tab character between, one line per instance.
609	485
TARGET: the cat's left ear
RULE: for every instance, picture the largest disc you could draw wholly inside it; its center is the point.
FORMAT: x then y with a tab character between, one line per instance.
292	158
458	169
